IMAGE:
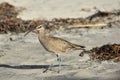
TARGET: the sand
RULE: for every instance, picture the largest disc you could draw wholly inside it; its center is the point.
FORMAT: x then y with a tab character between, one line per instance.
24	58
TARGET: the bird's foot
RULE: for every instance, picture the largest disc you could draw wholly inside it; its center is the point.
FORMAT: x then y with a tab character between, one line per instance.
49	68
59	69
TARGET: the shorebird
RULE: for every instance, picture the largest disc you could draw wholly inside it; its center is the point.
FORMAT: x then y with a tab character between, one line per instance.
54	44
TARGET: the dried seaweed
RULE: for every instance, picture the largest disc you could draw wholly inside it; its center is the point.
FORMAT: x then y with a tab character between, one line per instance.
103	14
10	22
106	52
99	14
100	19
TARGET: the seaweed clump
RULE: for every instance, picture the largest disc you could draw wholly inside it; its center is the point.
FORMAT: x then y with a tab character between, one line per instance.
10	22
105	52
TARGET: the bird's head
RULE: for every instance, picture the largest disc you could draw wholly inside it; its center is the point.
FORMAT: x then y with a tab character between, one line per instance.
36	30
39	27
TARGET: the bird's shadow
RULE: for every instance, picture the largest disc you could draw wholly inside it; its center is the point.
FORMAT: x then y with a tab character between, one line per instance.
29	66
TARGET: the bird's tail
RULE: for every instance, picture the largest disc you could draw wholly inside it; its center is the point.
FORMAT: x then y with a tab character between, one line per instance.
78	47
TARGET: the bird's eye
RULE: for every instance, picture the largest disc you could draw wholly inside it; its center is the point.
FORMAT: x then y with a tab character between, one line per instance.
39	27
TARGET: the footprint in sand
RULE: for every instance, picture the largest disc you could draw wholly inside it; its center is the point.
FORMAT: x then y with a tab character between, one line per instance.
2	53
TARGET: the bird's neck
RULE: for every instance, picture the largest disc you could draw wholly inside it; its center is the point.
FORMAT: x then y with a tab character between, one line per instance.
42	33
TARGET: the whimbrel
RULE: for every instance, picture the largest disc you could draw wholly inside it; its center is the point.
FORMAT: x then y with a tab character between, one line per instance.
56	45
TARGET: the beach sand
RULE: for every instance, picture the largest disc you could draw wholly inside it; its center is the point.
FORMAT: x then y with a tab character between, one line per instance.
23	58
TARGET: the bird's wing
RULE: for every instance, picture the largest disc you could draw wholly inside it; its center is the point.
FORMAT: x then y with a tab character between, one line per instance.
62	43
65	44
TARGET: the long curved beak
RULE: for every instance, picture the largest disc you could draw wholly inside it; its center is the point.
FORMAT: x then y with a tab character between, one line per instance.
27	33
34	30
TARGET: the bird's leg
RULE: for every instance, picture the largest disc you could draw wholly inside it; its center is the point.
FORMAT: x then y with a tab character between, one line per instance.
50	66
59	60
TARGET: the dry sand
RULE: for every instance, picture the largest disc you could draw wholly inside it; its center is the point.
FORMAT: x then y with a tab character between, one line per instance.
24	57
